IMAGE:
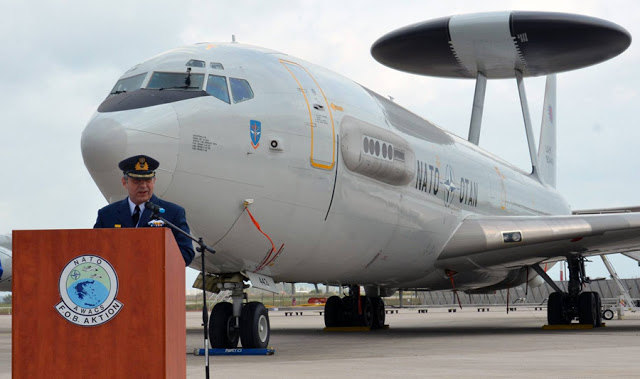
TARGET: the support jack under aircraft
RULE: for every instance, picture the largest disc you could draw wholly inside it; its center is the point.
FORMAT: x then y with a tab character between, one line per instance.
294	173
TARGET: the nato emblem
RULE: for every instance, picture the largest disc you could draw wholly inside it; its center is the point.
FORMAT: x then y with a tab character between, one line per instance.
449	186
255	129
88	288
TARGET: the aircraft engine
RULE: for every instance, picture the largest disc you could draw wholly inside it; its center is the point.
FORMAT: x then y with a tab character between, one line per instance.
536	282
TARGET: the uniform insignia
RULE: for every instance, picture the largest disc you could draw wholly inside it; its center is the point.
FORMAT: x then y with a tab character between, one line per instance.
117	226
88	288
142	165
156	223
139	166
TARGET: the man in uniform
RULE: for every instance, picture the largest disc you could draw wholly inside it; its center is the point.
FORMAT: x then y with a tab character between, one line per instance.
139	178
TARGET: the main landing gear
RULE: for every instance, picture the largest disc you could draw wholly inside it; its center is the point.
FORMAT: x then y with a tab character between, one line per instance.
354	310
563	307
238	321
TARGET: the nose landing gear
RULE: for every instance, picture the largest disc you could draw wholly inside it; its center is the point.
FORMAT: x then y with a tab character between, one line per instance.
222	327
254	325
238	321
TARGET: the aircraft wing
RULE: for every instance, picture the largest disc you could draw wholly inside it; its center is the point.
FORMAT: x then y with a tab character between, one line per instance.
635	255
607	210
485	241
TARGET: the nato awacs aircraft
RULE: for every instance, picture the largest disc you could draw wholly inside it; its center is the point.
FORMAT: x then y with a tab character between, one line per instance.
297	174
5	262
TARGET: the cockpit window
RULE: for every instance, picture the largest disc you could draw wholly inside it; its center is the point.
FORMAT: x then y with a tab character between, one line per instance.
216	65
240	90
217	87
196	63
128	84
175	80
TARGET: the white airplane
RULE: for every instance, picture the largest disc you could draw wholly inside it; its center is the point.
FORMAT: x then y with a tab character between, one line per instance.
5	262
295	173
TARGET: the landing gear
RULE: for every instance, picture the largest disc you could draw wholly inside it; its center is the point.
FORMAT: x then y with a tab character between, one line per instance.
354	310
587	308
366	312
222	327
334	312
378	312
230	322
557	310
598	321
563	307
255	329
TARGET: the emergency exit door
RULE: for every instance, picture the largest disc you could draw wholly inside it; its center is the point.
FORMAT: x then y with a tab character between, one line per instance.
320	117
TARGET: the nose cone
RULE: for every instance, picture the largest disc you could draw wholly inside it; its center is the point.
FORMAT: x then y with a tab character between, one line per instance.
5	269
113	136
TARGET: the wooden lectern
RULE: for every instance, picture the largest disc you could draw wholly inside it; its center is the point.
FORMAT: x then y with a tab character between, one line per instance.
88	331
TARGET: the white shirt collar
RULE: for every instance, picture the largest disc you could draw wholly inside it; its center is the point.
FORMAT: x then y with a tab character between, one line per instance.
132	206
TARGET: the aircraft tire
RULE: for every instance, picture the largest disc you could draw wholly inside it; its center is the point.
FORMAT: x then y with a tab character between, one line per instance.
334	312
255	328
556	309
366	318
222	331
598	313
607	314
378	312
587	308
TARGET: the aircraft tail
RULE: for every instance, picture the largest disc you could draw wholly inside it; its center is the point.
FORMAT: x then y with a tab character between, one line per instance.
547	145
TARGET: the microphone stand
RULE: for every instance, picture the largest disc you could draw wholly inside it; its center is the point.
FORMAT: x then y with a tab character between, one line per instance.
202	247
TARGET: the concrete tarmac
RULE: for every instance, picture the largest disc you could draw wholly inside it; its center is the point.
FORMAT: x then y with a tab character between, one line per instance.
436	344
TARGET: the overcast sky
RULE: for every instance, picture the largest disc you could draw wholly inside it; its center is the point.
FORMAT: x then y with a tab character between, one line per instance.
61	58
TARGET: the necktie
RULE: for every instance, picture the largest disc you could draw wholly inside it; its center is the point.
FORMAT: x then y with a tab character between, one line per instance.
136	216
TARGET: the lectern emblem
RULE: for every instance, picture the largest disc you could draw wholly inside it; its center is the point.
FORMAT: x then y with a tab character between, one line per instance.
88	288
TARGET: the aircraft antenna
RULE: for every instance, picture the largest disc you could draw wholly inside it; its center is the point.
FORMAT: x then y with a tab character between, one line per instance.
527	122
500	45
478	107
233	38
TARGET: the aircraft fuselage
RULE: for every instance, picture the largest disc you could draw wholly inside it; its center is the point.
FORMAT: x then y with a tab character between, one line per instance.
350	187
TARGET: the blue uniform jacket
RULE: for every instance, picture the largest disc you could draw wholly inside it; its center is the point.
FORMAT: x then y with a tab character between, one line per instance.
119	213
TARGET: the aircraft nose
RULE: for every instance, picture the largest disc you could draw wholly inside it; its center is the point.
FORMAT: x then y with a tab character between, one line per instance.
113	136
5	268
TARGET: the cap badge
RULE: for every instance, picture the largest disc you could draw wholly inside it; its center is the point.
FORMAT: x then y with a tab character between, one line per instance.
142	165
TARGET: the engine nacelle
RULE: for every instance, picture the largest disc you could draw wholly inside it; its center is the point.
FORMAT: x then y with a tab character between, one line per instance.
535	282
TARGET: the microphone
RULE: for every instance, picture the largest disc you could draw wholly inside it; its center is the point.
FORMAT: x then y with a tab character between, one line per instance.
153	207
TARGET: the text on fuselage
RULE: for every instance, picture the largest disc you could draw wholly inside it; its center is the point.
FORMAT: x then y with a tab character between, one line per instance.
468	192
429	179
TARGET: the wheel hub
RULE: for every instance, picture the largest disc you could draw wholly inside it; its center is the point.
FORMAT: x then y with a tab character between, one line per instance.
263	328
232	331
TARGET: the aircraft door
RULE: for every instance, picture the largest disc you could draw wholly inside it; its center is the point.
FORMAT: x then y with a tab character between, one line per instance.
320	117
